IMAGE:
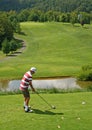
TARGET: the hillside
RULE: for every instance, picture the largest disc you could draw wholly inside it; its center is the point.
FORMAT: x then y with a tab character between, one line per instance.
45	5
55	49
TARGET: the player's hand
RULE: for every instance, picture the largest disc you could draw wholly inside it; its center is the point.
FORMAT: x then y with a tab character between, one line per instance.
33	89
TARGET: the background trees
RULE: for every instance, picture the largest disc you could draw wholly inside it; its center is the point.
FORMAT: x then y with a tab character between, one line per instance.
10	46
6	30
8	25
46	5
40	16
5	46
46	10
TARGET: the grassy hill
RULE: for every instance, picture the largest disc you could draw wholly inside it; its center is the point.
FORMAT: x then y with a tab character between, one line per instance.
56	49
73	112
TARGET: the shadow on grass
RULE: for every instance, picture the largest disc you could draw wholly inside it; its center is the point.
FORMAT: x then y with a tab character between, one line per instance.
47	112
22	33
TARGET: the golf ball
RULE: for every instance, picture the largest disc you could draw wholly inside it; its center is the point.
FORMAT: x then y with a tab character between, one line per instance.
83	103
58	126
78	118
62	118
53	107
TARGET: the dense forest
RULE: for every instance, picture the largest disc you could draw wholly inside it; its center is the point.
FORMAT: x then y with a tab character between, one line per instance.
46	5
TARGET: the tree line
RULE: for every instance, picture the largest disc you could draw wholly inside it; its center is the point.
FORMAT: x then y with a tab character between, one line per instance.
40	16
46	5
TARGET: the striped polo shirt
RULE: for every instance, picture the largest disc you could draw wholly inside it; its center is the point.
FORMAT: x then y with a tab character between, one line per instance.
25	80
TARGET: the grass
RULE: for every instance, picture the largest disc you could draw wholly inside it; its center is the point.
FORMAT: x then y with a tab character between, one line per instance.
70	113
56	49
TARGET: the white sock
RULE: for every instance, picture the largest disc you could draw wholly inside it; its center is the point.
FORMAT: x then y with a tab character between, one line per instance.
26	108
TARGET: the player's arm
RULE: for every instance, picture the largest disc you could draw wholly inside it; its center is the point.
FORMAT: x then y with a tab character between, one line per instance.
30	83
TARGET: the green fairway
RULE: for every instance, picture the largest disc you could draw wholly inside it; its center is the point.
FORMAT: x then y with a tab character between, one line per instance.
56	49
70	113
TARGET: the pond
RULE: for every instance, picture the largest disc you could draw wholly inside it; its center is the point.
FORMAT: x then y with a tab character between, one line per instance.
62	83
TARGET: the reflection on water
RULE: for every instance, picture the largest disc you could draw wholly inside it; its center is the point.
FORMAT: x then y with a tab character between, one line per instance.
65	83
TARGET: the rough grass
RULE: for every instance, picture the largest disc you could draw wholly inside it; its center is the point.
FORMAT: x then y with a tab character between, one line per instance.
70	113
56	49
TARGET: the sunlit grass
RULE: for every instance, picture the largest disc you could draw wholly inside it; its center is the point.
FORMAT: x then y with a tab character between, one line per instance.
73	112
56	49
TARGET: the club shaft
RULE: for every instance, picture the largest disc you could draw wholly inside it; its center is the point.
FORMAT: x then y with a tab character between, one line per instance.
44	100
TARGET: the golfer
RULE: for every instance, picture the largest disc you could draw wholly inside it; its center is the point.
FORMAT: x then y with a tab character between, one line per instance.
24	85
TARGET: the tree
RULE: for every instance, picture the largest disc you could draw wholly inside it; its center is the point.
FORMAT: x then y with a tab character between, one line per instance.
23	15
74	18
13	46
50	15
12	16
16	26
63	17
18	29
84	18
6	30
6	46
34	15
1	33
42	17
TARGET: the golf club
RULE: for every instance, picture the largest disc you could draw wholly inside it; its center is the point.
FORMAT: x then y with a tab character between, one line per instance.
53	107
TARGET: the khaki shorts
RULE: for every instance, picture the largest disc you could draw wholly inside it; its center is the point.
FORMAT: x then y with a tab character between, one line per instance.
26	93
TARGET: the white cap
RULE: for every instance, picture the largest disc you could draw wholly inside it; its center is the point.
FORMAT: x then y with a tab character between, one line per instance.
33	69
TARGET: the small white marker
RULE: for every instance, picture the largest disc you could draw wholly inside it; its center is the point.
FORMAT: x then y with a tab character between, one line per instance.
78	118
58	126
83	103
62	118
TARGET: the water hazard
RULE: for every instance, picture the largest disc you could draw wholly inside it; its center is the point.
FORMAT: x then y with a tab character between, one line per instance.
63	83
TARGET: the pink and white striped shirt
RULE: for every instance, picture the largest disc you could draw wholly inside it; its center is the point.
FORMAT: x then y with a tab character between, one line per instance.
25	80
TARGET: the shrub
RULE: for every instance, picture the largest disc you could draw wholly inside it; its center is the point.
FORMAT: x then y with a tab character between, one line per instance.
89	88
13	46
86	73
6	46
